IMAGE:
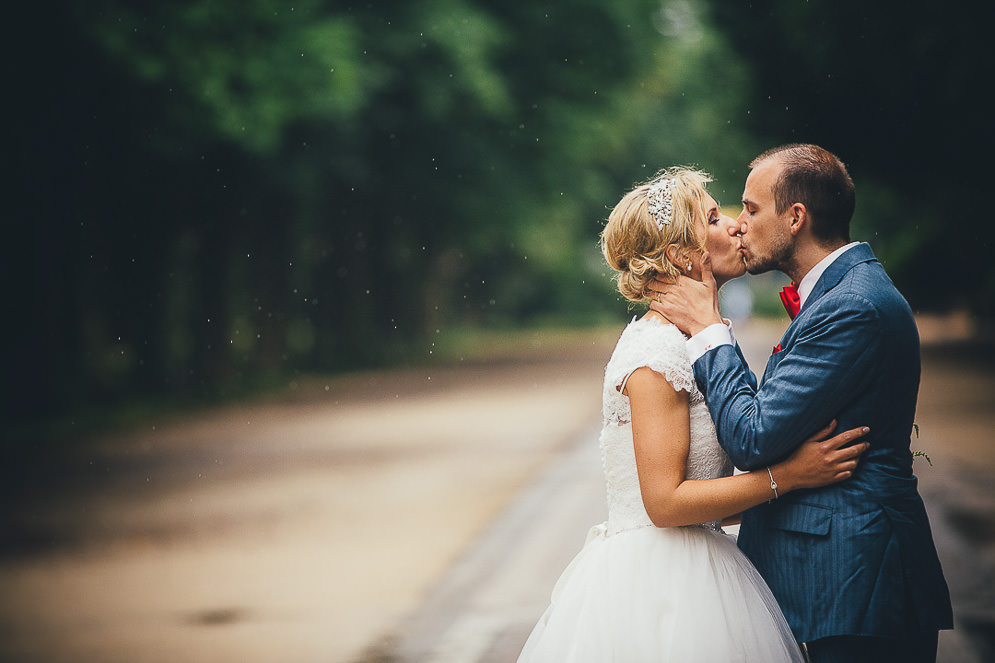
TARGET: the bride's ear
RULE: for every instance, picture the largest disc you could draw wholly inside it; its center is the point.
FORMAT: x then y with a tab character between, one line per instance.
673	253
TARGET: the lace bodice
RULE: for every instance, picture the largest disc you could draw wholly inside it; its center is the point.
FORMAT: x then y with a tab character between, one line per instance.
661	347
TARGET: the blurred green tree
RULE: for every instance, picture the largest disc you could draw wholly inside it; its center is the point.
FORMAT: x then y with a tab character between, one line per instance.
216	191
892	88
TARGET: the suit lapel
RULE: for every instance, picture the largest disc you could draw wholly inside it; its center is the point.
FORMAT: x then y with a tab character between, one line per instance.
829	280
835	272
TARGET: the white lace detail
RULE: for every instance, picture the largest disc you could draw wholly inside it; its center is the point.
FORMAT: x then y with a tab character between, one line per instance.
661	347
651	343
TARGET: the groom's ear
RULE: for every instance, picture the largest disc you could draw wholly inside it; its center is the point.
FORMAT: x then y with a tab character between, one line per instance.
799	218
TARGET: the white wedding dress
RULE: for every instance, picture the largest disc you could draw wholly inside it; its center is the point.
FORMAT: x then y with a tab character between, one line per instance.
636	592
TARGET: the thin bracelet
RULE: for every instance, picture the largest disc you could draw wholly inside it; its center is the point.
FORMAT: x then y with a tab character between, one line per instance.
773	485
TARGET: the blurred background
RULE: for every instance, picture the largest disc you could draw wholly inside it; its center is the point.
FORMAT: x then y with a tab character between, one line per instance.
217	204
204	197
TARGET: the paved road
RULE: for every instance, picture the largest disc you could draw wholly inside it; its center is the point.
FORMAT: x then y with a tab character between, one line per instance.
484	608
284	531
387	517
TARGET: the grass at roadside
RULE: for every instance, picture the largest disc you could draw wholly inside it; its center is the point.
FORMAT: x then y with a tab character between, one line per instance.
451	347
954	336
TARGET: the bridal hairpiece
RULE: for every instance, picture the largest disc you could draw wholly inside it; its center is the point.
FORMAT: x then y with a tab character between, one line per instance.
661	202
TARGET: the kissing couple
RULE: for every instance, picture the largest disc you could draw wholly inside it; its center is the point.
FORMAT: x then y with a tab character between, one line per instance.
834	559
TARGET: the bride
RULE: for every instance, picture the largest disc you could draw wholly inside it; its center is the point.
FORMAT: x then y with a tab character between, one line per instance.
660	581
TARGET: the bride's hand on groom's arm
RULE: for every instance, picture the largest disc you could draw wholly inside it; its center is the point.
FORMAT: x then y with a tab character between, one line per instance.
822	459
691	305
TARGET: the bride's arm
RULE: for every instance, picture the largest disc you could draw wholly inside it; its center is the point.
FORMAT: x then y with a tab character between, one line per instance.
661	436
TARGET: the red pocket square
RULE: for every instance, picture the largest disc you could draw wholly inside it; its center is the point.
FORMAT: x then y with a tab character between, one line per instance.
777	348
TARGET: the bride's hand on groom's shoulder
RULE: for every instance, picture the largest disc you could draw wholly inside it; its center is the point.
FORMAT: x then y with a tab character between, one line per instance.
690	304
824	458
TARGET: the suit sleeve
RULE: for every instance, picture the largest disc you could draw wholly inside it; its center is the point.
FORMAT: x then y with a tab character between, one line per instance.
751	379
829	361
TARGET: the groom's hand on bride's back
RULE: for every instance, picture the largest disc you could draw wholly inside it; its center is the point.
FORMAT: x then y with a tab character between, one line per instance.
825	458
690	304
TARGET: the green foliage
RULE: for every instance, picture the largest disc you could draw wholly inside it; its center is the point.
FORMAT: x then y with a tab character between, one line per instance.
255	189
920	453
210	194
240	70
890	88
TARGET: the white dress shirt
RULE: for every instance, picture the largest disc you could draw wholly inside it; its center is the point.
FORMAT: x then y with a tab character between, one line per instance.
718	334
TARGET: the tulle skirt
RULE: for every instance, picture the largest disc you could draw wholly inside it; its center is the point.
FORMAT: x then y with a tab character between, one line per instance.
680	594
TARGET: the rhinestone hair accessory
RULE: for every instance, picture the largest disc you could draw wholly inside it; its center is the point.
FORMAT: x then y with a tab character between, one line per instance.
661	202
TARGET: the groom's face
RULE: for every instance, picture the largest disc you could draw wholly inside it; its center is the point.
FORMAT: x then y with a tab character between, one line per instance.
767	240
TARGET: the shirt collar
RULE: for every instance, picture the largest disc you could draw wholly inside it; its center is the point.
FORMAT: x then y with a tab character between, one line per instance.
808	282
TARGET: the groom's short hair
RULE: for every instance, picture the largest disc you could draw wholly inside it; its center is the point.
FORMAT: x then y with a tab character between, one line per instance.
818	179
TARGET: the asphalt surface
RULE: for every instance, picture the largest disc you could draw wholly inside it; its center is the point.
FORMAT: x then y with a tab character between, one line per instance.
418	515
485	606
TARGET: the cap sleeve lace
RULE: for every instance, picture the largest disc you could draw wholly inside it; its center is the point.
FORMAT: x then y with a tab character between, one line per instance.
657	345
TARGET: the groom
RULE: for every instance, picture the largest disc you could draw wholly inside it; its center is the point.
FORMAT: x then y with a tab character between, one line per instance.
853	564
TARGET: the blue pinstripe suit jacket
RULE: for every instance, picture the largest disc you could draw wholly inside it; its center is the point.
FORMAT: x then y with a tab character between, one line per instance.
854	558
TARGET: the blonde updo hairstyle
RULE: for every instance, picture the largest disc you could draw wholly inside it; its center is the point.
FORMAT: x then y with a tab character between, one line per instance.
635	246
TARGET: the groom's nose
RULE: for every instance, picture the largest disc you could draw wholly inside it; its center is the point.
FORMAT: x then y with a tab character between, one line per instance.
741	222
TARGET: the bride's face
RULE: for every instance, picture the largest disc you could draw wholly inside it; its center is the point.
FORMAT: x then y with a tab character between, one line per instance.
723	243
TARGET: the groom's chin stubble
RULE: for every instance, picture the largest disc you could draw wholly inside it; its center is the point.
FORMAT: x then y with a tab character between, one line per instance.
758	268
760	264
